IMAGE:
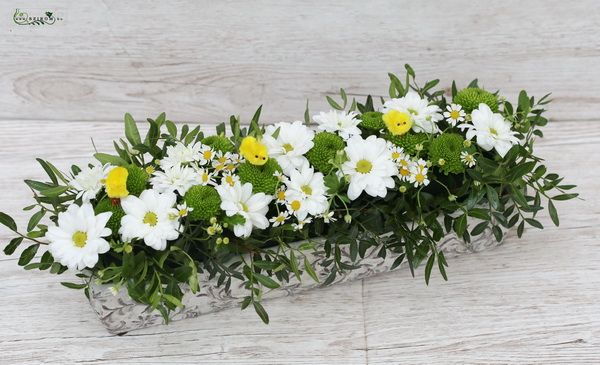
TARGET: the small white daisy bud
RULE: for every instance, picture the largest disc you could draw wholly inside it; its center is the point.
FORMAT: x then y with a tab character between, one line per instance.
441	162
348	218
213	220
225	225
467	143
402	189
419	147
219	241
225	240
476	183
452	197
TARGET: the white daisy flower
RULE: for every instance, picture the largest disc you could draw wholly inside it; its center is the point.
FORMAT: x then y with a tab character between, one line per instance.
328	217
205	177
180	154
279	219
468	159
491	129
301	222
207	154
425	116
396	153
308	188
176	178
369	167
292	142
418	175
229	179
150	217
454	114
345	124
280	196
78	238
89	181
238	199
183	209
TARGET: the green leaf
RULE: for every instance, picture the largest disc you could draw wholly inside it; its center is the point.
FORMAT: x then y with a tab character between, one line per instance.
171	128
171	299
565	196
266	281
524	102
37	185
294	265
48	170
131	131
534	223
442	265
105	158
74	285
310	270
12	245
428	268
460	225
262	313
520	229
35	219
479	228
28	254
520	170
553	213
55	191
497	233
6	220
409	70
333	103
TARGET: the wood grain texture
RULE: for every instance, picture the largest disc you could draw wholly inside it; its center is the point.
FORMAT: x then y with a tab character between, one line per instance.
533	300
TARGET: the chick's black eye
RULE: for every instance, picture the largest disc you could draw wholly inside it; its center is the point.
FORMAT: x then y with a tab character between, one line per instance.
255	156
264	158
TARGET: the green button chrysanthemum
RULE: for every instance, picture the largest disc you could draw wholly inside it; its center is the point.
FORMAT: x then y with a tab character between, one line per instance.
219	143
204	201
136	180
372	121
471	97
260	176
114	222
409	141
445	152
326	146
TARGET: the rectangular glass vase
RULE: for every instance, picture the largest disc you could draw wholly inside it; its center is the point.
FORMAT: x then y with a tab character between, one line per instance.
120	314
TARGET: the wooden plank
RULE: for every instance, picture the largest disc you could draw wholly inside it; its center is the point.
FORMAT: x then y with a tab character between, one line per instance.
230	57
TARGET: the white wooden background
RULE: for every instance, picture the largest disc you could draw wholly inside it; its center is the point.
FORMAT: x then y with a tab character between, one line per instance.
534	300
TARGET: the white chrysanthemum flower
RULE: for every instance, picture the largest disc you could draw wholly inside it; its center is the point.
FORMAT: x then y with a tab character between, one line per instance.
424	116
207	154
229	179
150	217
177	178
301	223
328	217
79	237
418	174
491	129
345	124
205	177
468	159
183	209
369	167
279	219
292	142
180	154
89	181
306	192
238	199
454	114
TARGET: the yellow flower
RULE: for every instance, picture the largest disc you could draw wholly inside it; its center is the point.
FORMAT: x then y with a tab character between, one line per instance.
254	151
116	183
397	123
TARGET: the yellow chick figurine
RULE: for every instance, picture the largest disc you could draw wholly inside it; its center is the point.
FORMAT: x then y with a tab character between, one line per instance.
254	151
397	122
116	183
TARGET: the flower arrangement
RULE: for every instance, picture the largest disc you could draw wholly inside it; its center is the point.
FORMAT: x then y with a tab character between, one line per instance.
177	202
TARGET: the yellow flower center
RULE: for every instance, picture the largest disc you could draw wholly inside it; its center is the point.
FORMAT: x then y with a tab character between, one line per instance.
79	239
183	212
205	177
244	207
280	195
229	179
296	205
395	155
420	178
364	166
116	183
280	218
397	123
306	189
288	147
493	131
151	219
455	114
207	154
150	170
404	172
